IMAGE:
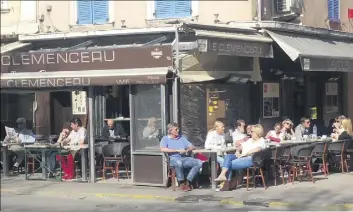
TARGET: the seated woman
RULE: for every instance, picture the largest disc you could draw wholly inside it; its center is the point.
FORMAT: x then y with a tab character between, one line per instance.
287	130
215	140
275	135
345	132
337	127
243	157
151	131
72	141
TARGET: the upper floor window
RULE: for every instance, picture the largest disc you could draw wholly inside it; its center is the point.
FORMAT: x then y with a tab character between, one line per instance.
283	6
172	9
4	5
92	12
333	7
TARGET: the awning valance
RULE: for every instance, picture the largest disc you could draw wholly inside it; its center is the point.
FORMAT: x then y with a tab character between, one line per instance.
315	53
59	79
13	46
208	76
234	43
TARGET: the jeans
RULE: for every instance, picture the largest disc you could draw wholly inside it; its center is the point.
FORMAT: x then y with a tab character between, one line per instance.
231	162
19	151
181	163
220	160
51	161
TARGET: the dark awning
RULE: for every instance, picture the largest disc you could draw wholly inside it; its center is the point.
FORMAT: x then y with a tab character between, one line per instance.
315	53
84	78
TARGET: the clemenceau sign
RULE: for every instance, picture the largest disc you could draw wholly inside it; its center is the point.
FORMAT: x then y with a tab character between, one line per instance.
54	65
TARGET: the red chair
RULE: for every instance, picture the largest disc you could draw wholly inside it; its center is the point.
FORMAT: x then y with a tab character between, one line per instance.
67	165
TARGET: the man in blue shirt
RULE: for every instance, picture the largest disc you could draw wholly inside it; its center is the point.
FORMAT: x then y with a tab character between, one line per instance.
178	147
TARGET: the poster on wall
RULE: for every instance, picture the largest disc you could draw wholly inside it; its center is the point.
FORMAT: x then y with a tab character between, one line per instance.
213	102
79	102
270	101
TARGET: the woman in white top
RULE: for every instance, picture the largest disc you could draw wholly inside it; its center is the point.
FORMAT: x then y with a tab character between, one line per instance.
244	159
215	140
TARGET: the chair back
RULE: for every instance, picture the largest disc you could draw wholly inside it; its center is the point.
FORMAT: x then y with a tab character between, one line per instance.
277	152
338	146
306	150
259	157
113	150
320	148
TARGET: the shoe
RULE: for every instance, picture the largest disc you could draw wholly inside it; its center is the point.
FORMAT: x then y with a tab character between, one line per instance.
51	175
185	188
220	178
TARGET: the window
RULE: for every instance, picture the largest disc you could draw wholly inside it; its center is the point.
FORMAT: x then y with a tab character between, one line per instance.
333	10
92	12
172	9
283	5
4	5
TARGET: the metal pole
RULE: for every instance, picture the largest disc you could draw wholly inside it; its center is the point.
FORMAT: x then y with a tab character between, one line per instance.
92	168
259	10
176	80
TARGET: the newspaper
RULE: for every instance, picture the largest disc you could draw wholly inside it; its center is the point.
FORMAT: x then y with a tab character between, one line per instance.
10	132
25	139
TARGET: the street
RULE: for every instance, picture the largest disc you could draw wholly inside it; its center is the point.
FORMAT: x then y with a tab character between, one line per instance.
29	203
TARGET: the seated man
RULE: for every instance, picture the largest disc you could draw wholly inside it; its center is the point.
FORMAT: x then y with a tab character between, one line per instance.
16	141
177	148
303	128
113	130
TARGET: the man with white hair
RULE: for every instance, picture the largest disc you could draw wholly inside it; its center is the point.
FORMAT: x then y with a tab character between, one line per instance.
178	147
15	141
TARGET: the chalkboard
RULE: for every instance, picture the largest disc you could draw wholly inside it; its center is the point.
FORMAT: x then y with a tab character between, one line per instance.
270	107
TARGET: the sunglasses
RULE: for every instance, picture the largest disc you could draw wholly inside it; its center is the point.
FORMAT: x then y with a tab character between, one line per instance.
307	122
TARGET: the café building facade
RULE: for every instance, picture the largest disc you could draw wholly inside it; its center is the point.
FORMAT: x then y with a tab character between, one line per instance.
132	79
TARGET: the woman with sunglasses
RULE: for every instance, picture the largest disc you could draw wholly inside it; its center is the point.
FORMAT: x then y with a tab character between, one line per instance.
242	158
337	126
287	129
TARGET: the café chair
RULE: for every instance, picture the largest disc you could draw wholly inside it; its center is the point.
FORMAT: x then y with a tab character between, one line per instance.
339	149
300	160
171	174
321	152
277	165
112	155
258	159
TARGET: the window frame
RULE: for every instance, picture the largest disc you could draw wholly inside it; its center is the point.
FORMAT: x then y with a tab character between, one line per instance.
151	10
74	15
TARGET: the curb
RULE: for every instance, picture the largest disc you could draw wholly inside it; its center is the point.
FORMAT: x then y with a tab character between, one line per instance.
273	204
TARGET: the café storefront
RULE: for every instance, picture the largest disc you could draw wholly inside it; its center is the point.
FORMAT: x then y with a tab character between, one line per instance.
222	80
310	67
139	75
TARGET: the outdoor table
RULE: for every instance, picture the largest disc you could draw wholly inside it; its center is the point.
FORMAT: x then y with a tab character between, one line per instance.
213	157
40	150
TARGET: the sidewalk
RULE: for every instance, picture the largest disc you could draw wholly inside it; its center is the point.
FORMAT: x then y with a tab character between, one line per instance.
333	193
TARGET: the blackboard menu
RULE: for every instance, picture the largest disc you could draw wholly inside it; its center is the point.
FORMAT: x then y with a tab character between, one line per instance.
270	101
